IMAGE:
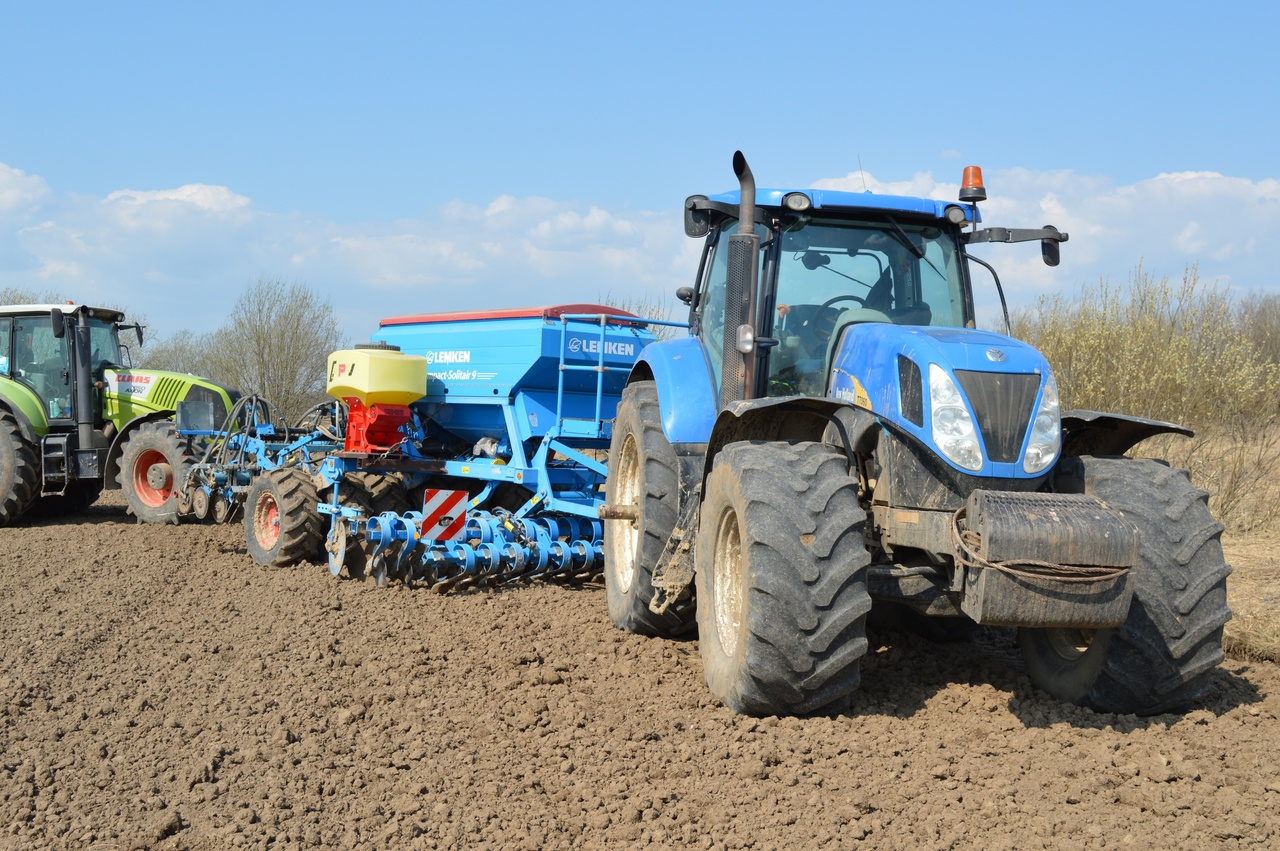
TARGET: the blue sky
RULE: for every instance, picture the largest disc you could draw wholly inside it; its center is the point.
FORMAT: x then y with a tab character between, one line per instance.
412	157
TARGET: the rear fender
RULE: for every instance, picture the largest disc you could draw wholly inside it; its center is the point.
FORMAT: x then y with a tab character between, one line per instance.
1092	433
686	396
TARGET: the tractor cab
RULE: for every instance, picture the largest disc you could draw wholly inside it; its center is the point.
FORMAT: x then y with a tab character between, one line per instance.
34	351
820	274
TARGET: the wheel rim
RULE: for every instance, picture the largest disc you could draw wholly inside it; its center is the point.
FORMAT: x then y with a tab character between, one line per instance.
266	521
1070	644
200	503
157	494
626	533
727	579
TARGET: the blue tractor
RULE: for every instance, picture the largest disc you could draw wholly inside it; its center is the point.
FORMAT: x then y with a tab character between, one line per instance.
835	437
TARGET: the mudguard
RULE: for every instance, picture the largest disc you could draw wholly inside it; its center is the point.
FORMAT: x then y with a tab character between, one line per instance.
794	418
686	396
1093	433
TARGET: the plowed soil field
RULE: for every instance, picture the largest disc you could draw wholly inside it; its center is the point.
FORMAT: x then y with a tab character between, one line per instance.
160	690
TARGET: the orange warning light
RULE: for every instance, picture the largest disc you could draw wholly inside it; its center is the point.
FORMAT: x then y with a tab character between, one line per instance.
971	188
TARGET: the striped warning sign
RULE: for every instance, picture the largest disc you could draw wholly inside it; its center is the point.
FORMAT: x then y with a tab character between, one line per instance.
444	515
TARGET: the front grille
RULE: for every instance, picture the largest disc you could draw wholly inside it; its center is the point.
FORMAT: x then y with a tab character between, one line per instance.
167	392
1002	403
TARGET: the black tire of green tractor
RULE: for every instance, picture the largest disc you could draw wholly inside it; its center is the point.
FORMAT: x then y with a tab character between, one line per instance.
281	521
79	496
153	499
19	471
782	579
644	472
1163	657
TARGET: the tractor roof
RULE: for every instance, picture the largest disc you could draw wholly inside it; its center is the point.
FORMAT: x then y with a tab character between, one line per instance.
831	199
108	313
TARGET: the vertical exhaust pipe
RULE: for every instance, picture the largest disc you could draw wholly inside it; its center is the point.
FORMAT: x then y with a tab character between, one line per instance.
83	372
747	193
738	367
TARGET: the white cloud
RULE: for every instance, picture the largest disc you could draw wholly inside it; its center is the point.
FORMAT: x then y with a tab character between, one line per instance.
19	189
183	255
214	199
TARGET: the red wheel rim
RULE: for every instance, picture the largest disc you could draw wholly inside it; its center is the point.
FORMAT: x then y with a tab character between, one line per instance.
266	521
154	497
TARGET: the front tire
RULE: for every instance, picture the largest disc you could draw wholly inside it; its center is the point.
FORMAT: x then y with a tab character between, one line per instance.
19	471
281	521
1161	659
782	579
153	466
644	472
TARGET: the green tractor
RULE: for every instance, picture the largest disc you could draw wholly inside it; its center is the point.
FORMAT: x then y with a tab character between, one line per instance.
75	419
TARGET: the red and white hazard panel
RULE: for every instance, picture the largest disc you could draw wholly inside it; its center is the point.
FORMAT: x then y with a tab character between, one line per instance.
444	515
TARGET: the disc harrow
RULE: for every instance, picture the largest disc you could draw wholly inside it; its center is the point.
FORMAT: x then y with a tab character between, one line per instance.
495	549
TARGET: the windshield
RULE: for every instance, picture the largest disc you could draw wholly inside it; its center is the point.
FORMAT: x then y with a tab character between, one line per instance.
833	273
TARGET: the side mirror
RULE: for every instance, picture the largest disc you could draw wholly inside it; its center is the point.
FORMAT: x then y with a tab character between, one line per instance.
697	223
1049	249
136	328
59	323
685	295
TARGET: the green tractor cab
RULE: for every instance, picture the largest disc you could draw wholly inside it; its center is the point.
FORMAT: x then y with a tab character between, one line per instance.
76	418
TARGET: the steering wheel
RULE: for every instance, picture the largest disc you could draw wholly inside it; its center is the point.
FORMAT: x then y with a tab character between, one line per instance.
841	298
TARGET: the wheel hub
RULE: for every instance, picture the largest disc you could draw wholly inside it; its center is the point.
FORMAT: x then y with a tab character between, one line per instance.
160	476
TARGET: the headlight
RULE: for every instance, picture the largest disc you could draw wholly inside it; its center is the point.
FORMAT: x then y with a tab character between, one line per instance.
953	431
1046	430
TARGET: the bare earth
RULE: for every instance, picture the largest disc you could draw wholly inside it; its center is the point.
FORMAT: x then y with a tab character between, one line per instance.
159	689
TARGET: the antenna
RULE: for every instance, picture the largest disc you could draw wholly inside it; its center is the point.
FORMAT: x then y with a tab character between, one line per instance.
863	173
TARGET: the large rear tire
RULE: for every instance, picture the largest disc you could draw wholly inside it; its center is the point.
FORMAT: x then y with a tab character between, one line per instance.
782	579
19	471
153	466
385	492
1162	658
281	520
644	472
79	496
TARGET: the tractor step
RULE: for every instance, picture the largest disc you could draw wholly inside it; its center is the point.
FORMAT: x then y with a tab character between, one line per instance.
55	451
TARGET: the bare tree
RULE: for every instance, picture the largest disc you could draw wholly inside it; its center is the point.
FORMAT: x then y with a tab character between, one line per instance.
16	295
275	343
183	351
